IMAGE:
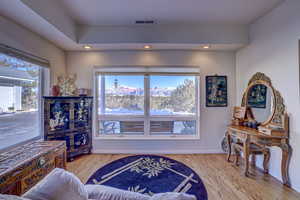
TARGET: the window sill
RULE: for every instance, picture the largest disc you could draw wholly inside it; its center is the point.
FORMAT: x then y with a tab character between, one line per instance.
143	137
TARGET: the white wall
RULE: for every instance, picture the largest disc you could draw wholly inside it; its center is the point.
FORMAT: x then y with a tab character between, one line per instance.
213	120
274	51
168	34
21	38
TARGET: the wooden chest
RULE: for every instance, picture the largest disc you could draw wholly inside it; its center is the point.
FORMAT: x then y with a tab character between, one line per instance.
22	167
69	119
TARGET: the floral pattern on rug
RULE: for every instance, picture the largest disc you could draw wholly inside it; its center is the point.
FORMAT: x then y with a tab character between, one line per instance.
149	167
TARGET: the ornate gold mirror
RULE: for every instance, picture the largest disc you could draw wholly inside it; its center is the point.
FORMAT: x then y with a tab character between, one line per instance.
265	102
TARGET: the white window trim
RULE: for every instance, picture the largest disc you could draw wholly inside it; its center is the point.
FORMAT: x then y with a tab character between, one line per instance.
184	70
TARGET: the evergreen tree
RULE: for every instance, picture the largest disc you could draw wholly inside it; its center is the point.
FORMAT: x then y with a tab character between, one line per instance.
183	97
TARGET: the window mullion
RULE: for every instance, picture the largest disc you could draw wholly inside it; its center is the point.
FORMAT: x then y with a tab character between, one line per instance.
102	95
197	102
40	95
147	105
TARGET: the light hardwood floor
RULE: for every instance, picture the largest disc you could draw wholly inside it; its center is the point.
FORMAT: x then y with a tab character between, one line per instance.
222	180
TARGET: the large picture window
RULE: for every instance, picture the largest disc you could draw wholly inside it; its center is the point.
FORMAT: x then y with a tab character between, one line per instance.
146	105
20	95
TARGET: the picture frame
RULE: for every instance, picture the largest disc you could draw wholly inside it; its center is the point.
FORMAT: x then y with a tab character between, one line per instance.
216	91
257	96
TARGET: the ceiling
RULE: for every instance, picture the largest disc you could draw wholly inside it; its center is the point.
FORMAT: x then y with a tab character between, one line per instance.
122	12
110	24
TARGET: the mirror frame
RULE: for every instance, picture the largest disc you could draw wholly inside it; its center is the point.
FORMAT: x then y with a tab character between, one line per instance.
278	111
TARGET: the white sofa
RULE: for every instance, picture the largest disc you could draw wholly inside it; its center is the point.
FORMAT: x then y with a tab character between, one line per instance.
63	185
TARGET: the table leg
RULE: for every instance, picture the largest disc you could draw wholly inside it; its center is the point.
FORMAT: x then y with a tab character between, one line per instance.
266	161
237	157
246	154
229	146
253	160
286	153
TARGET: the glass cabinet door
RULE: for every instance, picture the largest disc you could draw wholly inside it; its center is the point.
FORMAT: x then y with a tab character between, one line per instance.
81	139
60	117
82	113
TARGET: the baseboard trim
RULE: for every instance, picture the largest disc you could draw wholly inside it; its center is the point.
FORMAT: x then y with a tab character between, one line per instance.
131	151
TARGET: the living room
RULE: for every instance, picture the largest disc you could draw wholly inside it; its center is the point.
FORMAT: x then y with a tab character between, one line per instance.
197	100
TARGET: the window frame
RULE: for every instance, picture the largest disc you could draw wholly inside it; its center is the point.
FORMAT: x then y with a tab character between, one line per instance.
146	117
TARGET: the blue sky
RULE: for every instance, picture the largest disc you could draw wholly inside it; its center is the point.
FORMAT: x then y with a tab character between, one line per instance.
137	81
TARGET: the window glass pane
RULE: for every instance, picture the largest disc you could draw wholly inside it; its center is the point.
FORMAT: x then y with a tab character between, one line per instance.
172	95
109	127
124	94
19	101
121	127
173	127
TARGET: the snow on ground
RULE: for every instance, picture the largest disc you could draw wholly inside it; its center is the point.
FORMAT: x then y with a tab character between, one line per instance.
122	111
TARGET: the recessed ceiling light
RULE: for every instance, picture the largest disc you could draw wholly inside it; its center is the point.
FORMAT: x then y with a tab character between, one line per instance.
147	47
87	47
206	47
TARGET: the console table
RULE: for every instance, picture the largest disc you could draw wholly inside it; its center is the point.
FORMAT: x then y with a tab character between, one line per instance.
251	135
24	166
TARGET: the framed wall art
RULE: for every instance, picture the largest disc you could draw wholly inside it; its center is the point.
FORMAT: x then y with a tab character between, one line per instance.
216	91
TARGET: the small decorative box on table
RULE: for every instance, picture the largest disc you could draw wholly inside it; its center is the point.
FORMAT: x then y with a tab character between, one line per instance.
69	119
24	166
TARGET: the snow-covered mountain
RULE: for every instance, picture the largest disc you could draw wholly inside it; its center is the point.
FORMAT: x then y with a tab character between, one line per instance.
126	90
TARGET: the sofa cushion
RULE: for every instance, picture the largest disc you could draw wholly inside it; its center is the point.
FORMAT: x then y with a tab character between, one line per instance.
173	196
109	193
11	197
58	185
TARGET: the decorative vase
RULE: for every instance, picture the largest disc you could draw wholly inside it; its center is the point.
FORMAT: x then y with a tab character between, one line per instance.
55	90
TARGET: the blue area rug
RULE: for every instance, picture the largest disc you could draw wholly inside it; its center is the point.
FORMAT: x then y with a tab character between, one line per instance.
149	174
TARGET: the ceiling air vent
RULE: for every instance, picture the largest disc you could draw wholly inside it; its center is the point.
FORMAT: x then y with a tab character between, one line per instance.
144	22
